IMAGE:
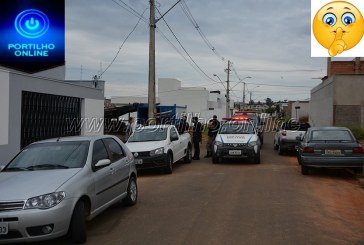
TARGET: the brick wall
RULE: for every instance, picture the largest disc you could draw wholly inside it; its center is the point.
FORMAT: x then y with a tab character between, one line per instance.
345	67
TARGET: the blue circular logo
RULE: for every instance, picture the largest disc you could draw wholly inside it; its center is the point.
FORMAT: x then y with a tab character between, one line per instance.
32	23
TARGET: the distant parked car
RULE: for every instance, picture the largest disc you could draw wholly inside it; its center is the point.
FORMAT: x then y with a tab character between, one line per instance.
159	146
331	147
51	187
255	119
285	138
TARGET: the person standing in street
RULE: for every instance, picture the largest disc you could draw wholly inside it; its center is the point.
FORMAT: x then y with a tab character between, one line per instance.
183	125
213	128
129	128
196	137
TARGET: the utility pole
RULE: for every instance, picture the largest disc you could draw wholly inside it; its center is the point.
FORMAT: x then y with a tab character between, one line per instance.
228	91
151	80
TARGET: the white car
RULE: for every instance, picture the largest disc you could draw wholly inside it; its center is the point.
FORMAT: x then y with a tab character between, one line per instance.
237	139
159	146
51	187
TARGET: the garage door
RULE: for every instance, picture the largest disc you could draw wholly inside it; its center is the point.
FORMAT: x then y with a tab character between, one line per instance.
47	116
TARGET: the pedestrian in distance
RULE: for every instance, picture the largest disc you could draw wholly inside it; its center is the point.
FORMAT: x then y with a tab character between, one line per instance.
129	128
213	127
196	137
183	125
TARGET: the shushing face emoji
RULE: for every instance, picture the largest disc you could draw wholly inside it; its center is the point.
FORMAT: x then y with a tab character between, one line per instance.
338	26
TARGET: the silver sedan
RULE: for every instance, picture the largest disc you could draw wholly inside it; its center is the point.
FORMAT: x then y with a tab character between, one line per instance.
51	187
330	147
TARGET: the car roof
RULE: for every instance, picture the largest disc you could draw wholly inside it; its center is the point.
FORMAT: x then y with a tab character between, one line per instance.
75	138
156	126
329	128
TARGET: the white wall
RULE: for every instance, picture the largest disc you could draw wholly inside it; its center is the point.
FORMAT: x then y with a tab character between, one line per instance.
321	104
92	117
304	110
11	86
197	99
4	108
58	73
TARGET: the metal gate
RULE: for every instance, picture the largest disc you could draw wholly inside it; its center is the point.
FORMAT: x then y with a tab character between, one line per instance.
45	116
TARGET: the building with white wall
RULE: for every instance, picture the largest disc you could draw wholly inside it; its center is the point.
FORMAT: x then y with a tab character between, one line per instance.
338	101
36	108
198	100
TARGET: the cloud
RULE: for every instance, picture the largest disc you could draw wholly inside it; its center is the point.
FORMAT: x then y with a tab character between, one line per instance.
265	36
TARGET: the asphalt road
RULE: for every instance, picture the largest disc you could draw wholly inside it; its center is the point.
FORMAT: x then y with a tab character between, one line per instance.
237	203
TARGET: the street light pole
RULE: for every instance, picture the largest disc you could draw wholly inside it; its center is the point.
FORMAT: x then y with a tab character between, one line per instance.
251	93
228	91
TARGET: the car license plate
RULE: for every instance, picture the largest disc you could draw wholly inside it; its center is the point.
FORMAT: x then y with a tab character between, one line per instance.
332	152
138	161
4	228
235	152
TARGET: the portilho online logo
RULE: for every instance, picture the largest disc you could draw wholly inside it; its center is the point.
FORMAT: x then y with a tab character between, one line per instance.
31	23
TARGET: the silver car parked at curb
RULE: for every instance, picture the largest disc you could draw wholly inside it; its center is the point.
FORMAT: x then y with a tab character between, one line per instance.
52	187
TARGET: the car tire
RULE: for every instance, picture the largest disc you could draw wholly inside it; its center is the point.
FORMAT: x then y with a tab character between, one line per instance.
304	170
132	193
358	170
188	157
215	160
257	158
280	150
275	146
77	228
168	169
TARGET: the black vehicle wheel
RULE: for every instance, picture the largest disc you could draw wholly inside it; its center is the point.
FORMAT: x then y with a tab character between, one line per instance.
132	193
304	170
358	170
168	168
257	158
275	147
280	150
188	157
215	160
77	228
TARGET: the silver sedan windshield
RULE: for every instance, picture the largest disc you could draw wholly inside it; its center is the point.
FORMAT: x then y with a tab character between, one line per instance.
50	155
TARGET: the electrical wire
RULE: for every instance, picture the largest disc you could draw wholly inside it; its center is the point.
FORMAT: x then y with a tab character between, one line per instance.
190	17
159	31
130	10
121	46
184	49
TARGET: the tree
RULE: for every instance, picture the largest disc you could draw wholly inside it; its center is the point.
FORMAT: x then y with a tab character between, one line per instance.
269	102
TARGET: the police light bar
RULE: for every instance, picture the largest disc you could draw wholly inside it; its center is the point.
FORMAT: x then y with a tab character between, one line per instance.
236	118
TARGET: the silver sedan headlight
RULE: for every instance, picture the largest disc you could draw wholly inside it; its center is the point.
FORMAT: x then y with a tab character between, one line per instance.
218	143
252	144
157	151
45	201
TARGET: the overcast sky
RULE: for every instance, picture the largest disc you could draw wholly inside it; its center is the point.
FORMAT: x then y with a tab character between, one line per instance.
267	40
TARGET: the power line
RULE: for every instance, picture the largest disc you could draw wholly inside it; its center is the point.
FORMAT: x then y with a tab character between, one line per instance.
130	9
281	85
170	29
190	62
190	17
121	46
291	70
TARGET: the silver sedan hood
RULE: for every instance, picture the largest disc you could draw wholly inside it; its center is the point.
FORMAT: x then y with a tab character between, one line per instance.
25	184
